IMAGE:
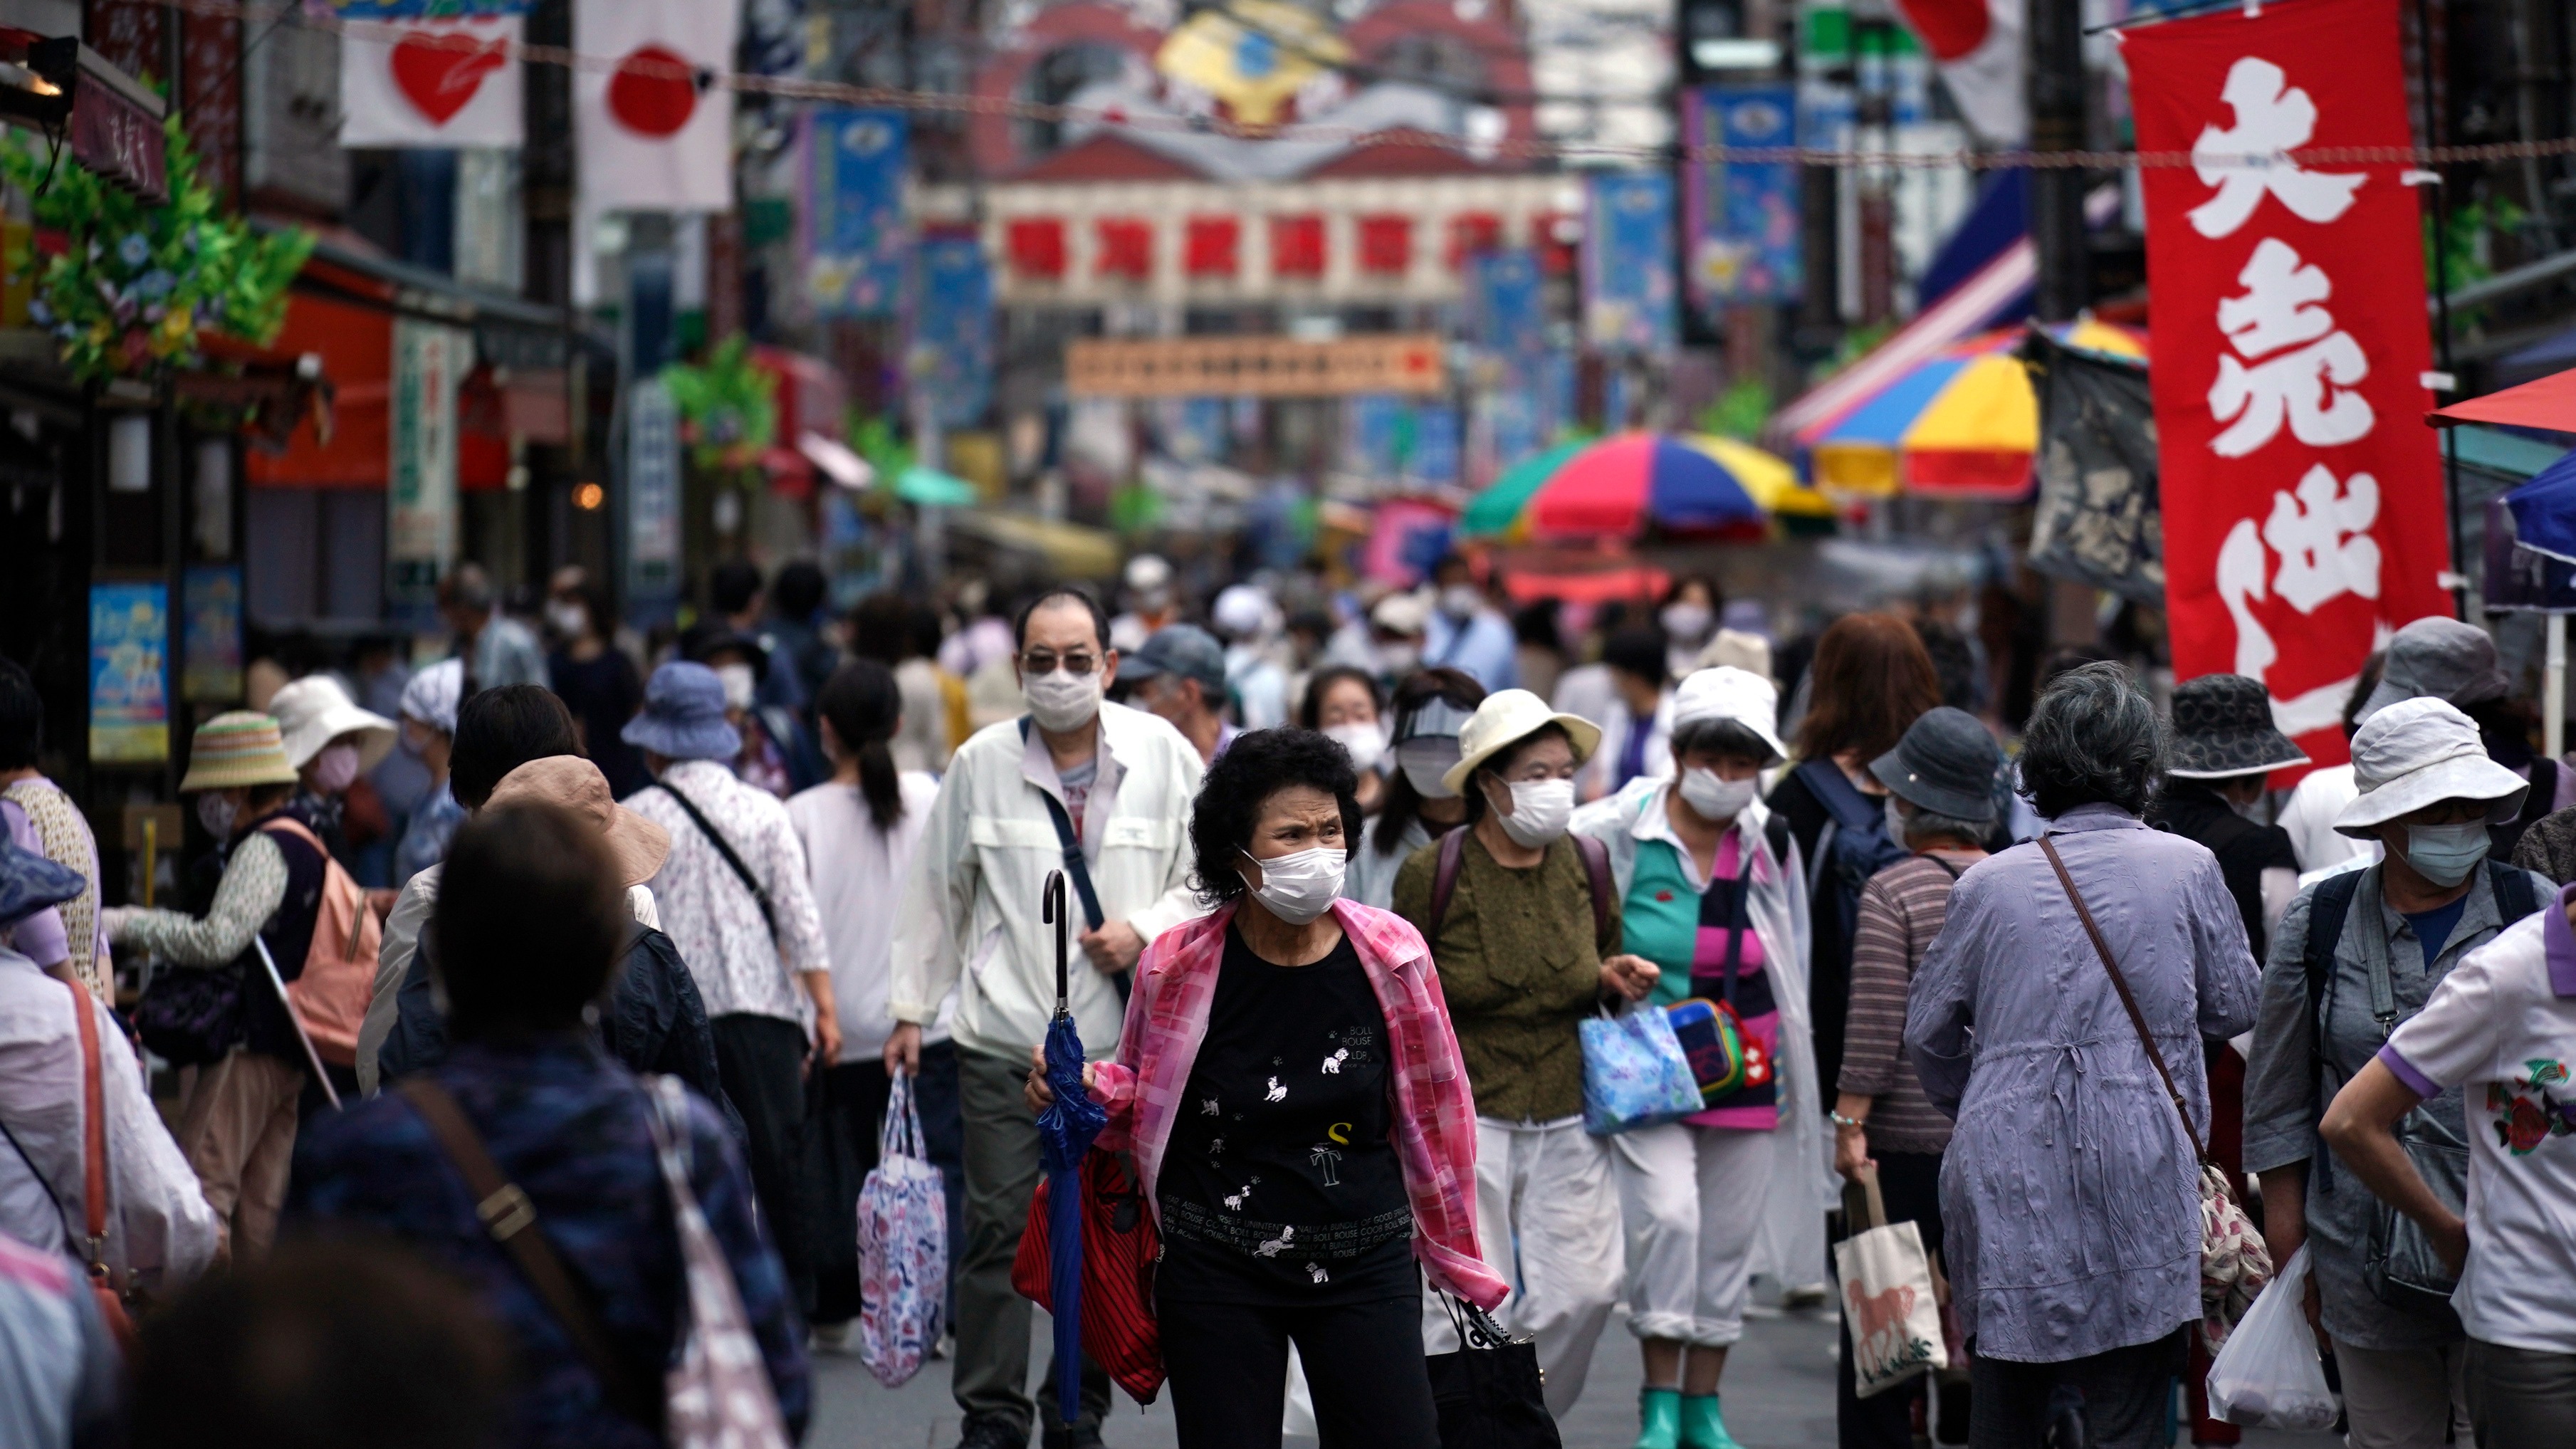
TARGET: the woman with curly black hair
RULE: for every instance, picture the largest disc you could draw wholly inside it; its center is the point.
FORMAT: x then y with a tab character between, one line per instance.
1292	1091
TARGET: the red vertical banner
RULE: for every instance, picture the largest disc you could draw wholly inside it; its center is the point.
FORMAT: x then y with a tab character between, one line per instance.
2302	493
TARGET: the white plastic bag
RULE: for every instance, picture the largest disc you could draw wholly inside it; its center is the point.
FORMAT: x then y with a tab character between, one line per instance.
2267	1374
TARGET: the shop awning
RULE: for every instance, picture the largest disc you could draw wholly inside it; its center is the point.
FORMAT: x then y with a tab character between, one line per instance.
1073	550
2548	403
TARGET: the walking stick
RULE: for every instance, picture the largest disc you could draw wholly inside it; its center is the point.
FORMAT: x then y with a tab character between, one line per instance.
301	1034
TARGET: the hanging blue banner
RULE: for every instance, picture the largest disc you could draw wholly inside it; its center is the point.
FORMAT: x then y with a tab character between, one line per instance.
1628	290
1741	218
952	330
1435	446
1507	308
854	209
1381	434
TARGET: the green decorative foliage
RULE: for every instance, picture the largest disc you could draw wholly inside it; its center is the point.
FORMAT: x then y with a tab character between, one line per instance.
1738	412
140	280
728	407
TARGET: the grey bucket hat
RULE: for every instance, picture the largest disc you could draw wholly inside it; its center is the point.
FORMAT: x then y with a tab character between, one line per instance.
1946	763
684	715
2222	727
2438	658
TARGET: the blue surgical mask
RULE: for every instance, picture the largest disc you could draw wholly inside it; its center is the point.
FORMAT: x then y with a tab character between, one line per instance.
2445	854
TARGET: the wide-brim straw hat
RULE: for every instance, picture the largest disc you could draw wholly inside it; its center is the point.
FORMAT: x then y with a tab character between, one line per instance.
2420	752
1505	719
235	749
313	711
575	784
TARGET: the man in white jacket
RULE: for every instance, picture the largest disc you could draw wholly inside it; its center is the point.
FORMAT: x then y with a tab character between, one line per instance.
1123	781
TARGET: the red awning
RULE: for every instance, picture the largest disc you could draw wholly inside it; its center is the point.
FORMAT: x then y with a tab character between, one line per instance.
811	398
356	343
2548	402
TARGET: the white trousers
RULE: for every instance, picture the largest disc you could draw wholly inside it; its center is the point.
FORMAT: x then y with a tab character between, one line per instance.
1692	1200
1547	1221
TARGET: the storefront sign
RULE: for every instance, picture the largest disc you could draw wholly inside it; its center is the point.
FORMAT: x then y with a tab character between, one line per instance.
652	498
1255	367
210	634
116	128
129	674
2302	498
1628	264
1741	217
855	174
420	509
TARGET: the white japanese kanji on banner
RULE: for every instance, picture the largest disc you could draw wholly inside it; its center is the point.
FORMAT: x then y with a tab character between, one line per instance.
431	83
2302	495
656	130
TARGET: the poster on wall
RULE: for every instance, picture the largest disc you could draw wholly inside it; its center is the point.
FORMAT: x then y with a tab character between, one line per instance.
210	633
420	503
652	501
854	202
1741	217
129	674
1628	288
952	330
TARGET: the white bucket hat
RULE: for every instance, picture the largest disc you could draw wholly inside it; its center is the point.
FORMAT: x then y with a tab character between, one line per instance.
1507	717
315	710
2420	752
1729	693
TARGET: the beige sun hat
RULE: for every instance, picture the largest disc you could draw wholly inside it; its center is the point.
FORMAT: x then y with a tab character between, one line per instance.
2420	752
575	784
313	711
1507	717
234	749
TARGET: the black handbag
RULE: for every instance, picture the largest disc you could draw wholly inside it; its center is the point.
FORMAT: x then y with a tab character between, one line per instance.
2399	1263
189	1017
1488	1393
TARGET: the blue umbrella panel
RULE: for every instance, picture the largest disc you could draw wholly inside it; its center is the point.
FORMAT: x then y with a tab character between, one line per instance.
1065	1132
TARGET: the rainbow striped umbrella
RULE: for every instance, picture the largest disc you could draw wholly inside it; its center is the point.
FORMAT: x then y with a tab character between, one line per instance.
1685	482
1499	510
1962	425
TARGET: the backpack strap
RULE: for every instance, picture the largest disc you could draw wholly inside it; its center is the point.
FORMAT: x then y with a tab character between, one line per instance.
1444	876
1453	856
2328	904
1841	799
1596	873
2514	894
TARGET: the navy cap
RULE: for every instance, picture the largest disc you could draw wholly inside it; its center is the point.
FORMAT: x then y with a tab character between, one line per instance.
1185	650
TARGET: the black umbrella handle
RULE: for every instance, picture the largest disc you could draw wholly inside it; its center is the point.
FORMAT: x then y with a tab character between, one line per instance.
1052	911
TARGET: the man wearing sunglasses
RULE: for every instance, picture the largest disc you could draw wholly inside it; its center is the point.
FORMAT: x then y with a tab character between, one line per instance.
1099	791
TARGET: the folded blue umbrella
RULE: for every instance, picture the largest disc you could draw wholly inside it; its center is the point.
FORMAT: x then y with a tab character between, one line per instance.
1065	1132
2544	510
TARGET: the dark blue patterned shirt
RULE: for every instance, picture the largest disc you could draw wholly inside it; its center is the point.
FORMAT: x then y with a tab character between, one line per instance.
568	1125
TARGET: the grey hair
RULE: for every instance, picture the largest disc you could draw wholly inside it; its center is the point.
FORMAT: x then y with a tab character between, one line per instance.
2092	739
1924	825
1721	736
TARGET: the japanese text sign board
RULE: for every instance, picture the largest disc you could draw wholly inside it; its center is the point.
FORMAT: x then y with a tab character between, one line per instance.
116	127
2303	514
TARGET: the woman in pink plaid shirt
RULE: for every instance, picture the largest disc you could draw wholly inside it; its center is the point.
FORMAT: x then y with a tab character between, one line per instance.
1299	1114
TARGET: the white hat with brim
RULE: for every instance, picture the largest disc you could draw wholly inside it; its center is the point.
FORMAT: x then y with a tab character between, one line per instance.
2421	752
1505	719
313	711
1738	696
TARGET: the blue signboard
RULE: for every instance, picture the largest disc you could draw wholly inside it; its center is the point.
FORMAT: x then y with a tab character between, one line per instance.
129	673
1741	217
1628	290
952	330
855	210
1507	308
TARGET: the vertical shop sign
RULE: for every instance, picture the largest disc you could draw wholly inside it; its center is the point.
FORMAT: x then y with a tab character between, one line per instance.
1628	264
210	633
855	160
652	495
129	673
2303	515
952	330
1741	217
420	506
1508	322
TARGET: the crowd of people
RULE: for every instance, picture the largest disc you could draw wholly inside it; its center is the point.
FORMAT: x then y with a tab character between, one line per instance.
644	936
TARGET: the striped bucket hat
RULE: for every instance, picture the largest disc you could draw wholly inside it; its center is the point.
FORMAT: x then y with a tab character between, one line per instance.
237	748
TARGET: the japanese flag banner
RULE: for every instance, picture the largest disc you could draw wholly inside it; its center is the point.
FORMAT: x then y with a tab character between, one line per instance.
2302	495
448	82
1978	45
656	124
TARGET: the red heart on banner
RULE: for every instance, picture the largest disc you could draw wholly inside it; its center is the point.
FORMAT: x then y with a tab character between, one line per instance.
439	71
654	91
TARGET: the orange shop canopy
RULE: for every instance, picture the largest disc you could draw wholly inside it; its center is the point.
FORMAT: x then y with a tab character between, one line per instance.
2548	403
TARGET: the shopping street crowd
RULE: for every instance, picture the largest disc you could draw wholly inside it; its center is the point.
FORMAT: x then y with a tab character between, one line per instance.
532	1021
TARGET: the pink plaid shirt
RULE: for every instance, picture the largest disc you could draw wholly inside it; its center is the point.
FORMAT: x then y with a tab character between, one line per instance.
1435	1118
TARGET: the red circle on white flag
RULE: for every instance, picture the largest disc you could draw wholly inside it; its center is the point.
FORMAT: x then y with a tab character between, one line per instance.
654	91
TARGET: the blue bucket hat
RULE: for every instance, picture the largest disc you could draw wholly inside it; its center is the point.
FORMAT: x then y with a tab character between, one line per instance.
684	715
29	882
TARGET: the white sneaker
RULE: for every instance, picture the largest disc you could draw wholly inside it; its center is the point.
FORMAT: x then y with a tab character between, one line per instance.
832	1337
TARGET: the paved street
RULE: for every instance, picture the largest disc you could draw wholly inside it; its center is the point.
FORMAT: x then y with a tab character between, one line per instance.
1778	1394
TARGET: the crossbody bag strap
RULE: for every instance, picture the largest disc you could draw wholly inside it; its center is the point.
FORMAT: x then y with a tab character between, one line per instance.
511	1219
93	1130
724	848
1077	868
2137	1018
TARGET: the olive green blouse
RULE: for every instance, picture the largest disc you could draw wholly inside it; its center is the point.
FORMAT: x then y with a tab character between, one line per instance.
1520	963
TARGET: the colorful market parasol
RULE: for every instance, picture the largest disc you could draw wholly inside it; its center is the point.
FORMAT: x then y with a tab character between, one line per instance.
1500	509
1688	483
1962	425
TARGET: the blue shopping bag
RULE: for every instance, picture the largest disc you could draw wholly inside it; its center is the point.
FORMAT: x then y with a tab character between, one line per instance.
1634	1072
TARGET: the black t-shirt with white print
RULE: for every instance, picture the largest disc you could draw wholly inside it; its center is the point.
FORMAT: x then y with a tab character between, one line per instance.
1280	1185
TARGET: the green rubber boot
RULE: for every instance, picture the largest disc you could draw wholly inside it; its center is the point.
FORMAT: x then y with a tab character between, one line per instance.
1659	1419
1702	1428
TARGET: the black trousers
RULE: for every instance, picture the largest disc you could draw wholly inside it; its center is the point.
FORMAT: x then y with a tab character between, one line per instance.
859	1092
1229	1373
2123	1396
1909	1184
761	1061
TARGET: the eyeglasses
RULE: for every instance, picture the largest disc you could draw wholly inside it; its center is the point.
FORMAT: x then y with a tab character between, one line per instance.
1044	661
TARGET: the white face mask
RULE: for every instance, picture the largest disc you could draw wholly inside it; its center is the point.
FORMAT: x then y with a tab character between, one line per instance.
1717	799
1687	621
568	619
1366	743
1424	761
1540	809
740	683
1461	601
1301	885
1895	821
1060	700
335	769
215	812
1399	660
